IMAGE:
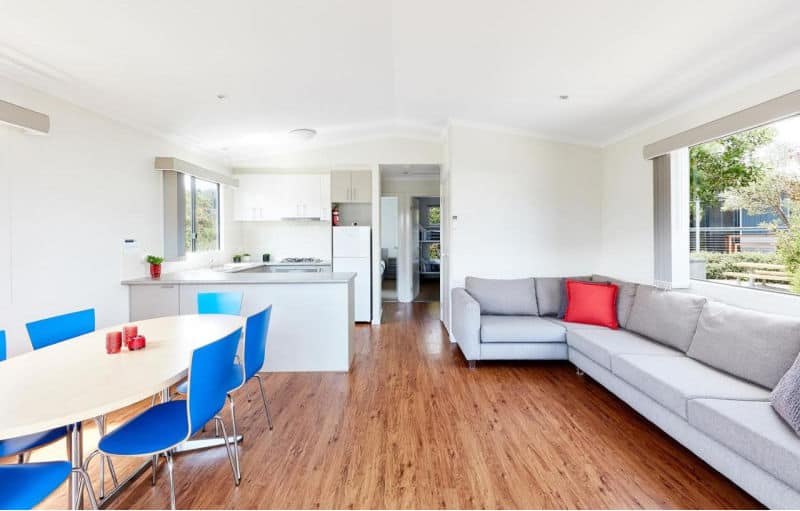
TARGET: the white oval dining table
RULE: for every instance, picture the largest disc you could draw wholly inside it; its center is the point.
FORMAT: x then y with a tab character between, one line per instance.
76	380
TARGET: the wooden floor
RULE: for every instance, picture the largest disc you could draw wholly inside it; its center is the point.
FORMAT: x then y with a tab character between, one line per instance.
412	427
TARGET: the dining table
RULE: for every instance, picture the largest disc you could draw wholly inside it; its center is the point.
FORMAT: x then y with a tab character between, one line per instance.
76	380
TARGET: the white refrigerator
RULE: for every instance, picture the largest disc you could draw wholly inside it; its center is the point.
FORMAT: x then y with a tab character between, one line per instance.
352	252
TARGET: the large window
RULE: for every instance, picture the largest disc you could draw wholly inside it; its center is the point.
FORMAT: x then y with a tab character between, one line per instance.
202	215
745	208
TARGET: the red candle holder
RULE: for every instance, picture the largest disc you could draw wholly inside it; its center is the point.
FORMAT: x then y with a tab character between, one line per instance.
113	342
137	342
128	332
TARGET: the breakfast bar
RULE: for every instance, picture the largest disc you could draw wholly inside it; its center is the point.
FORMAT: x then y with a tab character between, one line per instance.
312	323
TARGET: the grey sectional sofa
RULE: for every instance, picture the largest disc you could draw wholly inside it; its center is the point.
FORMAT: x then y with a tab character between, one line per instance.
700	370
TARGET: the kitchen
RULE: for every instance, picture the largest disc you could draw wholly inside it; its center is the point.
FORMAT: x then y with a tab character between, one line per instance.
305	246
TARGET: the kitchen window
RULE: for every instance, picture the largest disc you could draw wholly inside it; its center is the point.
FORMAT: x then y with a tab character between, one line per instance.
201	233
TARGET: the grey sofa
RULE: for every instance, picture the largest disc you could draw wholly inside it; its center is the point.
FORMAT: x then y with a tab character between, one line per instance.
700	370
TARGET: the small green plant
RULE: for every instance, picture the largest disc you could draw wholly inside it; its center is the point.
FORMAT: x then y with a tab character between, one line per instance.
237	258
154	259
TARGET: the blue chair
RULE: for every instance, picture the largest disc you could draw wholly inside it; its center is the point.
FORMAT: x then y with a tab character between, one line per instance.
255	348
162	428
46	332
22	445
219	303
25	486
55	329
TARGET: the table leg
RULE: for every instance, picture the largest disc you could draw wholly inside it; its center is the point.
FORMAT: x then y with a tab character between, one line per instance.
75	452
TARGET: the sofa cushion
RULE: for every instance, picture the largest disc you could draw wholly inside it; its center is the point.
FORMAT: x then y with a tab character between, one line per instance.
625	296
575	326
503	297
548	295
668	317
756	346
592	304
786	396
754	431
672	381
601	344
520	329
562	304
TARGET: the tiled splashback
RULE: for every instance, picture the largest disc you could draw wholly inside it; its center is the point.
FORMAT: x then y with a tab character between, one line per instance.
286	239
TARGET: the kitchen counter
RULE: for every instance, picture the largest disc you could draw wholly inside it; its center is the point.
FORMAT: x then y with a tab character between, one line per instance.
240	276
312	325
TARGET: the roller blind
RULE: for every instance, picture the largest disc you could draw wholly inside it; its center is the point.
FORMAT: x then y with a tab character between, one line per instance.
671	219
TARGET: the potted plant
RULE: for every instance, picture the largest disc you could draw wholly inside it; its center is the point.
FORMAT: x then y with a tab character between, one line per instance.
155	266
245	258
237	258
265	257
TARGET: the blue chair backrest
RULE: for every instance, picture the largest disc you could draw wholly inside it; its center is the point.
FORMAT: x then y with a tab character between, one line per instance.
60	328
255	342
2	345
209	375
219	303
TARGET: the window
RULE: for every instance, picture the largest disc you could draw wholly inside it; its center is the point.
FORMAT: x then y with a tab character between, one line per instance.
202	215
744	208
434	215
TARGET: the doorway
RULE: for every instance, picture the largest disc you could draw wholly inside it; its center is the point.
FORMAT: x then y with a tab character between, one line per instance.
410	226
429	248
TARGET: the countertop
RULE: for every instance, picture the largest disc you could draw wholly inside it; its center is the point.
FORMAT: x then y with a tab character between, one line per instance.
208	276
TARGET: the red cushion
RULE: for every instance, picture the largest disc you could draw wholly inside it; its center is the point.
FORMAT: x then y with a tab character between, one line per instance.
592	304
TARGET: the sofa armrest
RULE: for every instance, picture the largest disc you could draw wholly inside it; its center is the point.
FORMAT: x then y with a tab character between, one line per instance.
466	323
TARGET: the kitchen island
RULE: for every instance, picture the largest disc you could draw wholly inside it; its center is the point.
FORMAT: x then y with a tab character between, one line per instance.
312	323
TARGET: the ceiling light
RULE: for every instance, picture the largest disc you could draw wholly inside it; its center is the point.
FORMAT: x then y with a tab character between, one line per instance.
222	97
563	97
303	133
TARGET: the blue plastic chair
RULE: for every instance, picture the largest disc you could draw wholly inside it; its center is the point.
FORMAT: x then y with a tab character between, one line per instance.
53	330
255	348
219	303
21	445
25	486
161	428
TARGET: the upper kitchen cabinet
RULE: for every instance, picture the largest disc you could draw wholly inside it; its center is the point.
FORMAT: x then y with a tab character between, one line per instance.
272	197
351	186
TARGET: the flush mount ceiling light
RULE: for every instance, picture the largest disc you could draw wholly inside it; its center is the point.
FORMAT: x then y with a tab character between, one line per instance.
222	97
563	97
302	133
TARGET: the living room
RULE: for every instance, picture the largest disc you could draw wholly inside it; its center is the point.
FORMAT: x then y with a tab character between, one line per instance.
615	321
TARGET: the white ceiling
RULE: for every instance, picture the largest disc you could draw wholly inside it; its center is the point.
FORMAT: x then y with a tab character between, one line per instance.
356	69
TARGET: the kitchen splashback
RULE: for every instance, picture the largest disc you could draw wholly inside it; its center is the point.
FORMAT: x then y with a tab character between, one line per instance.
286	239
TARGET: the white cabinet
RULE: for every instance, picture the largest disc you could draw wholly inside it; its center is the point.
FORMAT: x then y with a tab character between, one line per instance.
270	197
153	301
351	186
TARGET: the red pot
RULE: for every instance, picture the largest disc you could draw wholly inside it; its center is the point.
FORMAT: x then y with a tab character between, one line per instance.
155	271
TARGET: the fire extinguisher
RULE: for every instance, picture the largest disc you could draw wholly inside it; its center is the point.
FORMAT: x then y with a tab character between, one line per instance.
335	219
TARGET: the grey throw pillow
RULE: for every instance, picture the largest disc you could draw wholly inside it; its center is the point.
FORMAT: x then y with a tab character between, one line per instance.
562	306
503	297
786	396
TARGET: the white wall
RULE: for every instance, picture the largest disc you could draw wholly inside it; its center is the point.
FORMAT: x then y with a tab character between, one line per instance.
525	207
390	237
67	201
285	239
627	196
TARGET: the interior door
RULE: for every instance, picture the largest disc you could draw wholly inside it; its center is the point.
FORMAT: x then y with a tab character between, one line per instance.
415	247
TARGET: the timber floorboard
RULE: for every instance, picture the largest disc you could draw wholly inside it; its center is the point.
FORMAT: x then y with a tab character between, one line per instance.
412	427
